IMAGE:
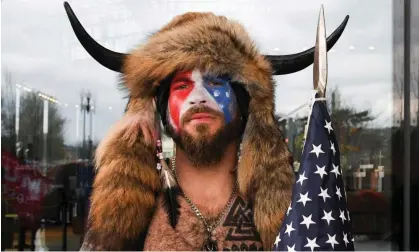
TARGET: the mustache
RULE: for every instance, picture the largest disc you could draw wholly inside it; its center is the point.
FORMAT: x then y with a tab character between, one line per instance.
187	117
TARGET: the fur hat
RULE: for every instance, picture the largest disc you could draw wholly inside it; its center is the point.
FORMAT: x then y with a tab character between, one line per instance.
127	182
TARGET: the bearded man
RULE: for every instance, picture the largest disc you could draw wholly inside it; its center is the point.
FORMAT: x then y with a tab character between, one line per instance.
229	183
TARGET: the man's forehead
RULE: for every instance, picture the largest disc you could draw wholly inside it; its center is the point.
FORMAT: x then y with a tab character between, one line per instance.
182	75
197	75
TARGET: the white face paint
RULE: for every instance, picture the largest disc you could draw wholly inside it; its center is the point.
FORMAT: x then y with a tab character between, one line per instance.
199	95
189	89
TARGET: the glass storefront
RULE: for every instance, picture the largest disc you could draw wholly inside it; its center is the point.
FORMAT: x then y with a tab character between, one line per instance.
58	103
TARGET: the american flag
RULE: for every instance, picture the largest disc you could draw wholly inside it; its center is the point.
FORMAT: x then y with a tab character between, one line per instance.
318	218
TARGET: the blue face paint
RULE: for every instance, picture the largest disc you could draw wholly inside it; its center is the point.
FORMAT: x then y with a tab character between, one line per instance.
220	89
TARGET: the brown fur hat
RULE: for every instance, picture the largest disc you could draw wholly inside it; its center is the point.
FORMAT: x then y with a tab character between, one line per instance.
125	189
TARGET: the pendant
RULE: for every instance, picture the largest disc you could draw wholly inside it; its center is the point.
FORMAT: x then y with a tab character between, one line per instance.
210	245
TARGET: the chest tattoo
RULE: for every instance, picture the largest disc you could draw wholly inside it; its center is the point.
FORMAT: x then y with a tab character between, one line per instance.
239	222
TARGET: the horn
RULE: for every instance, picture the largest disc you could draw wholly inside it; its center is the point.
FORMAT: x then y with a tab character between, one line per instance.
107	58
291	63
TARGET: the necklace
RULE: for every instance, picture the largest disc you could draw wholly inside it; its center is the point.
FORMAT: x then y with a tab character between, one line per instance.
210	244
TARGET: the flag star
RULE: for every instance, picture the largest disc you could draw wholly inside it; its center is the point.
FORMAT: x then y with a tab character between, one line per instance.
342	215
328	216
216	93
332	241
353	239
289	229
307	221
332	147
289	209
338	193
312	244
347	211
328	126
345	238
277	240
317	149
291	248
321	171
304	198
324	194
227	94
335	170
301	178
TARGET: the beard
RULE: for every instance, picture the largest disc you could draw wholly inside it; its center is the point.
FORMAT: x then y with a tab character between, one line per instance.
206	149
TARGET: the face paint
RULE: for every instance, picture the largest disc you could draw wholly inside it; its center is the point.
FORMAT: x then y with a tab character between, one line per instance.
189	89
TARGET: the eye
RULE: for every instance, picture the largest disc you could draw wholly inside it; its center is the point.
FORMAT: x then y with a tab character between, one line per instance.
180	87
215	83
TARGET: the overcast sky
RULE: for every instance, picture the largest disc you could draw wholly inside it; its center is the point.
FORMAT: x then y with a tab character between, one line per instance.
41	51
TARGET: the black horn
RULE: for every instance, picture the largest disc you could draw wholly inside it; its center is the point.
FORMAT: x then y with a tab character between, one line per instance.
291	63
107	58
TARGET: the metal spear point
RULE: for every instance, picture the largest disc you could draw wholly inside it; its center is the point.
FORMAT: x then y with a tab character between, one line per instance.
320	57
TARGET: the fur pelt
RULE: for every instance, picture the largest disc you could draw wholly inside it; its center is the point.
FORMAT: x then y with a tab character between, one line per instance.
125	189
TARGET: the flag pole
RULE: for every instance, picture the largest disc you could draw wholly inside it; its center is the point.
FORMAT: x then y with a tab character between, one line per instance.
320	57
319	65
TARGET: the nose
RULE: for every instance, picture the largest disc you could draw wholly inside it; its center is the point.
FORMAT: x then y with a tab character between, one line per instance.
197	102
198	98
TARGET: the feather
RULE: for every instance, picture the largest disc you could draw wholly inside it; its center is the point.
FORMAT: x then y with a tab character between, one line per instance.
170	193
170	187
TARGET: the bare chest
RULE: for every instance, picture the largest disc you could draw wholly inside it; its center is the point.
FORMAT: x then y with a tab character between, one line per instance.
236	230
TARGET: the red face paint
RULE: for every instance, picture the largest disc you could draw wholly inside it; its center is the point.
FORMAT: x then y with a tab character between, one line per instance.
190	89
180	87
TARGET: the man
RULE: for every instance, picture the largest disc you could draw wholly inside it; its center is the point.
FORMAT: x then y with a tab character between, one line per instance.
203	77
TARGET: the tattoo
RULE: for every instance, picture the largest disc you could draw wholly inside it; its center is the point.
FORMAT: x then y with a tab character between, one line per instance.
244	247
240	221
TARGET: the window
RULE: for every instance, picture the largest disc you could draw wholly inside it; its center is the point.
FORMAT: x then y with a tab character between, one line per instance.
58	103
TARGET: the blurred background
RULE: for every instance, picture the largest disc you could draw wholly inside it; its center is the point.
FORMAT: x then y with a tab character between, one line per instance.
57	103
